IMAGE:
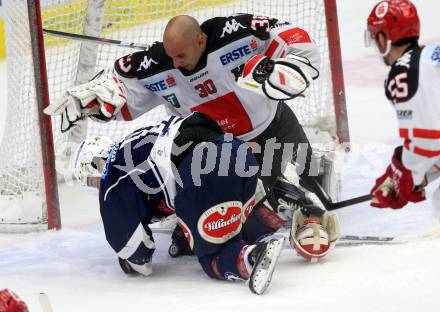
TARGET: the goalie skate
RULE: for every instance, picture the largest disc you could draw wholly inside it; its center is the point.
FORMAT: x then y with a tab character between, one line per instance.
267	254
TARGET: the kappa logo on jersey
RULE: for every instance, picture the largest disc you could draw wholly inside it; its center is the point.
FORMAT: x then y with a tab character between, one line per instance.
230	27
172	99
404	60
161	85
146	63
239	52
221	222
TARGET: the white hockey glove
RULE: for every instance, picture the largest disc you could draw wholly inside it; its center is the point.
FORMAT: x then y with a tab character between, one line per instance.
279	79
314	237
100	99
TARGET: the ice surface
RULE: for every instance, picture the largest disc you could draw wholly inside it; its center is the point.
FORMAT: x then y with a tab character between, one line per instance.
79	271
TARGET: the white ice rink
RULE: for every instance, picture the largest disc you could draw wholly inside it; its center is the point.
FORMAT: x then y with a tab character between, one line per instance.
79	271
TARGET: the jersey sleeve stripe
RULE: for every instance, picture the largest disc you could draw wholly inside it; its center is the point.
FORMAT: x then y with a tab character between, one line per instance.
426	133
403	133
420	133
271	49
126	113
427	153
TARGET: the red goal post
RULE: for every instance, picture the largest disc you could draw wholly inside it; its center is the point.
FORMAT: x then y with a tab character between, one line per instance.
41	67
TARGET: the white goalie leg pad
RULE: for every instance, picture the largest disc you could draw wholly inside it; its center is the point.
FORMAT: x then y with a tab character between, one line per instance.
313	237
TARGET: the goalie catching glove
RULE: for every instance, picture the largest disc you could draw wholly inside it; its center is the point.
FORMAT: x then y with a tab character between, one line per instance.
314	236
395	188
100	99
279	79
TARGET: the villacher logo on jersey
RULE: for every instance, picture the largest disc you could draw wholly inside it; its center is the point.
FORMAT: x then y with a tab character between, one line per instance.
239	52
221	222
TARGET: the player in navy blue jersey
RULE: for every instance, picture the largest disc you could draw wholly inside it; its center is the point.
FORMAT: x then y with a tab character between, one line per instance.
206	177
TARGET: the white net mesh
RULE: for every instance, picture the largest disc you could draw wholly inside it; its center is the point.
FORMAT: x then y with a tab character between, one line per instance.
140	21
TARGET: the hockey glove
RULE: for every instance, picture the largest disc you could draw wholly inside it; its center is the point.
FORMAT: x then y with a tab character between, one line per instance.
10	302
279	79
395	188
100	99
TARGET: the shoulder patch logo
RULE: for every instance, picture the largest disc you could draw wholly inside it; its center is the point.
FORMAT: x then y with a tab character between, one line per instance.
146	63
230	27
404	60
172	99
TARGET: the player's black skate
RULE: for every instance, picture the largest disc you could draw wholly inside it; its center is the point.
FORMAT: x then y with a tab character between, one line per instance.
266	255
179	245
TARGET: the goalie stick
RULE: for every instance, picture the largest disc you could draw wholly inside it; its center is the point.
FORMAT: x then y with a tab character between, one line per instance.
120	43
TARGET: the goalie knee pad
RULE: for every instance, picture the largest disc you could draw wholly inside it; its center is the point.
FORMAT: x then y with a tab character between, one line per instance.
314	237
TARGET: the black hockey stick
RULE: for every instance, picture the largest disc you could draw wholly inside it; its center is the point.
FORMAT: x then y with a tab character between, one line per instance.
311	184
349	202
325	199
96	39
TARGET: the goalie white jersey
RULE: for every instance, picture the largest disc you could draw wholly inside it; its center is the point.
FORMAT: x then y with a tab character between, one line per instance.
149	78
413	88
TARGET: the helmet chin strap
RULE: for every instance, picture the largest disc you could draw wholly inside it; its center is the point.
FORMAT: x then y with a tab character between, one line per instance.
387	50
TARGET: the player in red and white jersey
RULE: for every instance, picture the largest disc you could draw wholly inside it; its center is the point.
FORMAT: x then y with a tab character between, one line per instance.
196	69
412	88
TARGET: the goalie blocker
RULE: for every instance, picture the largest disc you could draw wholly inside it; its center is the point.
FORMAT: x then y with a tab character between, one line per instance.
280	79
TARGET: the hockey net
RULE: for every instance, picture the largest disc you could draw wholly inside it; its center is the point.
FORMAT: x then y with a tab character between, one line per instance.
70	62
